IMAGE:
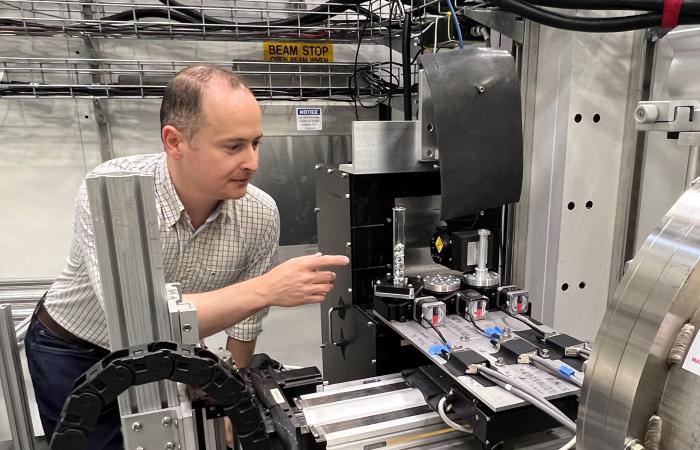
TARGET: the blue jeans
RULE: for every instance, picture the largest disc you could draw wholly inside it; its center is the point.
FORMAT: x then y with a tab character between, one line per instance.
54	365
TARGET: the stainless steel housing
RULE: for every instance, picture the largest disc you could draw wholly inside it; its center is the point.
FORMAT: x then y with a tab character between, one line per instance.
628	379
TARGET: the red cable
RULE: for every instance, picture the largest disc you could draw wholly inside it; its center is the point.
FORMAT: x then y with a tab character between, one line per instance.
671	13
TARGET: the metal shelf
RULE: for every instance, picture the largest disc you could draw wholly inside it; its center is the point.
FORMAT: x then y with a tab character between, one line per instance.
110	78
231	20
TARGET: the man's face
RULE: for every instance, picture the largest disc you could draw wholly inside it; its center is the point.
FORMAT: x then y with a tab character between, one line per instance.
222	154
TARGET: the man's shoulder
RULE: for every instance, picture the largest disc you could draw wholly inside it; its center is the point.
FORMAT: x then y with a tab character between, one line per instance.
135	163
259	203
256	197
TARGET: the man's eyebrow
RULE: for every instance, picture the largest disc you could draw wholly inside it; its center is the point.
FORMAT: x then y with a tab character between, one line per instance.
239	139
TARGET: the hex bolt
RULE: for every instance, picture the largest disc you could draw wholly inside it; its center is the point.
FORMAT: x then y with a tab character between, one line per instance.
167	421
500	361
544	353
136	426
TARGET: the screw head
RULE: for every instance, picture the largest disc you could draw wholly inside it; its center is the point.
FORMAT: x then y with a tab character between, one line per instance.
136	426
167	421
544	353
170	445
187	328
500	361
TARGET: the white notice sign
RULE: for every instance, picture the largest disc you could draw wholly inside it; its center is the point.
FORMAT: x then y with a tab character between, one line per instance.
692	359
309	119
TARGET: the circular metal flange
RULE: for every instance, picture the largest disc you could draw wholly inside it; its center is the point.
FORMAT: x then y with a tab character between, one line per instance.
628	379
442	283
483	279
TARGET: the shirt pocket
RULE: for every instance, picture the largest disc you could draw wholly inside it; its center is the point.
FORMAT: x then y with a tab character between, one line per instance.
210	278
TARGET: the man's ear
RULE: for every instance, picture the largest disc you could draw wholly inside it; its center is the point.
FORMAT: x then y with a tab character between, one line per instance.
173	140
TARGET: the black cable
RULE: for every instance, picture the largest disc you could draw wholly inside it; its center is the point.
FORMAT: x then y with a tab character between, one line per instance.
406	67
594	25
354	93
311	17
143	13
442	337
687	7
473	322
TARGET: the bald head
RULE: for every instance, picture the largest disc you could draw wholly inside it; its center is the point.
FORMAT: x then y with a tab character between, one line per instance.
182	100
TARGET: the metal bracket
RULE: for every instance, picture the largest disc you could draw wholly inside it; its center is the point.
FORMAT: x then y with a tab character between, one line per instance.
504	22
183	316
156	429
675	116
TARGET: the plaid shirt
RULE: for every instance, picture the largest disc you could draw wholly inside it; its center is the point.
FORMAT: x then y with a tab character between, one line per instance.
238	241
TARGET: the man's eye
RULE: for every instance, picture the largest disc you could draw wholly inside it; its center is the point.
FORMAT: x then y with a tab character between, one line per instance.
234	148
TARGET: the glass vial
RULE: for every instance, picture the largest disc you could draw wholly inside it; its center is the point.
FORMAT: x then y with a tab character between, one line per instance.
399	264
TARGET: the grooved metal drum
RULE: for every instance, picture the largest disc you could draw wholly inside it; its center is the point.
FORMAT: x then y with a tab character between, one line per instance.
628	379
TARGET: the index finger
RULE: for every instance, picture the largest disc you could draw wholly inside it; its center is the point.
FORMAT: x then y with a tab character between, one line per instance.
317	262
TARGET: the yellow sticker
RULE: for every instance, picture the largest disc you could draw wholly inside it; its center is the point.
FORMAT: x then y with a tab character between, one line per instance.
438	244
311	52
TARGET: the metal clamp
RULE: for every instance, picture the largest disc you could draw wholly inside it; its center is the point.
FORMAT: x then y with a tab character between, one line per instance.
340	308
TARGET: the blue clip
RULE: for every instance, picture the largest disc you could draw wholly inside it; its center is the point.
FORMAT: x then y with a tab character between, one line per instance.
566	371
438	348
494	332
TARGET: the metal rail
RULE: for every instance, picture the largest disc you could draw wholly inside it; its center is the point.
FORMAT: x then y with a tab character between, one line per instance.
235	20
12	383
61	77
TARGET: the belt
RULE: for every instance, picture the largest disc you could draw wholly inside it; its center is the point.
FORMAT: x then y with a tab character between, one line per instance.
43	316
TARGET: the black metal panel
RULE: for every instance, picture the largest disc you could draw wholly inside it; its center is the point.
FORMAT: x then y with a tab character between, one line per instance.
354	218
478	127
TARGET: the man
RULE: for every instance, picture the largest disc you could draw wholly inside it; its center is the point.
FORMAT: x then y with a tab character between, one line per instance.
219	238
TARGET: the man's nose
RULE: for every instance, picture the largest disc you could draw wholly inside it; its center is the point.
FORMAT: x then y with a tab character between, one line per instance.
251	159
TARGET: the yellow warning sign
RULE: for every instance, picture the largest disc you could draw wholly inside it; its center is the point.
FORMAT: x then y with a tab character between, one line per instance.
438	244
311	52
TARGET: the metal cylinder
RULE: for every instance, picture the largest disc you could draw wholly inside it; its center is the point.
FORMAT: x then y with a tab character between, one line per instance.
399	247
483	249
12	380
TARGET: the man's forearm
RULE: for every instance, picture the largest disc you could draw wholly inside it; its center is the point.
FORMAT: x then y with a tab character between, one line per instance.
225	307
241	351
